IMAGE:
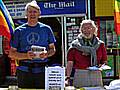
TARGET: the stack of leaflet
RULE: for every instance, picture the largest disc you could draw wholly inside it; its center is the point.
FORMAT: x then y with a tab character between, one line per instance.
103	67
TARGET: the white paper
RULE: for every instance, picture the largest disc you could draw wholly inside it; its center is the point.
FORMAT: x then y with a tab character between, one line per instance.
37	50
54	78
104	67
114	85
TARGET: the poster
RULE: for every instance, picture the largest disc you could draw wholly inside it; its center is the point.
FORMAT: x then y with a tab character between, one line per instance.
54	78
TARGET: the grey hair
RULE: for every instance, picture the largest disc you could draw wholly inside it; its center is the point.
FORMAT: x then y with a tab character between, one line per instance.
32	4
93	24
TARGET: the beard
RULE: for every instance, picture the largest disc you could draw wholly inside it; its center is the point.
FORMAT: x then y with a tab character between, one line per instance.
87	37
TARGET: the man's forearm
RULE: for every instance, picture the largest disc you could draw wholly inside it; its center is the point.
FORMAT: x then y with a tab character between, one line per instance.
16	55
51	52
19	56
69	68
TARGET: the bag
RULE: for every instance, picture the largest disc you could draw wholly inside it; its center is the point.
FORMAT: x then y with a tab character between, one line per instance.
34	77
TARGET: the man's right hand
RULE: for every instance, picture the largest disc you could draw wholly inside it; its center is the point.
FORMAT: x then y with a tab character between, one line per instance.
30	55
67	81
43	55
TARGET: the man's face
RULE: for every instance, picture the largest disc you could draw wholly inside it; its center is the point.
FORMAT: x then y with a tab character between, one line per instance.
88	30
32	14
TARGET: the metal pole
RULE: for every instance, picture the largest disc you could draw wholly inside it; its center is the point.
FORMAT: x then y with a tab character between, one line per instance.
88	9
64	43
65	39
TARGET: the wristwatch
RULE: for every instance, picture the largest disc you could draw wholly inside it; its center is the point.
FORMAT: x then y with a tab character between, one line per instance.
67	78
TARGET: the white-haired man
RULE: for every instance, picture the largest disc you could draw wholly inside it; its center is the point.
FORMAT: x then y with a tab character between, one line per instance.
32	33
85	52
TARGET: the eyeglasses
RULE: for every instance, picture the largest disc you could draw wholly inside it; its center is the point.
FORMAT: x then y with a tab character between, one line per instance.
87	28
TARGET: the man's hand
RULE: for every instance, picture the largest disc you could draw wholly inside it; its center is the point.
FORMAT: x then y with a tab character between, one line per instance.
67	81
30	55
43	55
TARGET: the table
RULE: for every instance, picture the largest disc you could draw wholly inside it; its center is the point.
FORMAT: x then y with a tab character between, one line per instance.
20	89
3	88
86	88
92	88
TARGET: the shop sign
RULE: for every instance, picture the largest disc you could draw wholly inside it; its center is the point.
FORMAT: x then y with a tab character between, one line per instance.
57	7
16	10
54	78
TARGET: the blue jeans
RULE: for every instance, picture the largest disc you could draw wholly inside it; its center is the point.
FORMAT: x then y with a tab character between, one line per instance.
31	75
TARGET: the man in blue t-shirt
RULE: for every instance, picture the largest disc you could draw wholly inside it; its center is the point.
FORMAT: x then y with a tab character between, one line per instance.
32	33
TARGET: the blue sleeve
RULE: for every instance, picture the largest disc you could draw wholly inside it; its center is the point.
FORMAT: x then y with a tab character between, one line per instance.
51	36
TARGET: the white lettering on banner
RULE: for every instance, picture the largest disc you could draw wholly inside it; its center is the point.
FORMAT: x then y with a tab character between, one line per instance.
59	5
49	5
64	4
54	78
16	10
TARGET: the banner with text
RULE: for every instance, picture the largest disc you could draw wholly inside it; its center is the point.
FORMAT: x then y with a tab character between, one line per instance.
63	7
56	7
